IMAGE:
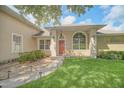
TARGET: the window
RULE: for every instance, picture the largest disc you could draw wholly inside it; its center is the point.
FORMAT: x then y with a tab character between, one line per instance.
47	44
61	36
17	43
79	41
44	44
41	44
115	39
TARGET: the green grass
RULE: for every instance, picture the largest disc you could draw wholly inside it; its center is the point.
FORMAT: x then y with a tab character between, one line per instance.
83	73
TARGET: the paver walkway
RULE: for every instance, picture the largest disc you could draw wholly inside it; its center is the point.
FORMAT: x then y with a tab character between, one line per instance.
24	73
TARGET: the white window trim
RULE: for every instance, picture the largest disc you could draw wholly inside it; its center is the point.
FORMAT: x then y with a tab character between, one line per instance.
17	34
85	40
44	44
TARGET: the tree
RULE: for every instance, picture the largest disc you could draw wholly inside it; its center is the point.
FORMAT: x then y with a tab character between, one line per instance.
50	13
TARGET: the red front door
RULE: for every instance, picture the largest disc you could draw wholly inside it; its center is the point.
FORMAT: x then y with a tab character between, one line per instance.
61	47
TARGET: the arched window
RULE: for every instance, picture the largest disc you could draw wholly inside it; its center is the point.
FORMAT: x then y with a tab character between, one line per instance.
61	36
79	41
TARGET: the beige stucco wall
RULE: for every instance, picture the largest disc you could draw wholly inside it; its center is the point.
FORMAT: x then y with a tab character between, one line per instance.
9	25
104	43
68	36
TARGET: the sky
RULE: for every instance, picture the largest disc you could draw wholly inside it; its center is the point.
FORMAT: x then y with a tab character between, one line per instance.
112	16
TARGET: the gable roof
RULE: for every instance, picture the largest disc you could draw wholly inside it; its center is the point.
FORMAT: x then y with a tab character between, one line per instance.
44	33
19	17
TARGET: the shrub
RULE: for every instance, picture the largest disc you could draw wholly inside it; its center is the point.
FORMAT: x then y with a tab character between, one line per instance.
118	55
31	56
122	55
39	54
23	57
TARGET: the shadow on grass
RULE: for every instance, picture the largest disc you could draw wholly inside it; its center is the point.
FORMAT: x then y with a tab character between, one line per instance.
73	77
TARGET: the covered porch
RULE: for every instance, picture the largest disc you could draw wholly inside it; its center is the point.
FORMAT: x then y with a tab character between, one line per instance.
72	40
75	40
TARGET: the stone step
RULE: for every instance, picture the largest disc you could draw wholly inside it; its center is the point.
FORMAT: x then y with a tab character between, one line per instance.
20	70
22	66
28	72
17	64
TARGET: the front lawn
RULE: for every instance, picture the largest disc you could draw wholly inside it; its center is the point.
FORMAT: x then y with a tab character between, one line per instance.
83	73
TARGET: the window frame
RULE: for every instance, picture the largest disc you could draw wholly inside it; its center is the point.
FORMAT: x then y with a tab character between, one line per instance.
12	42
45	40
115	39
41	44
78	41
45	44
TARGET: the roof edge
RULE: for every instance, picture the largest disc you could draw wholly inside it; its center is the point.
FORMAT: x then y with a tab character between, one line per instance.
75	25
12	13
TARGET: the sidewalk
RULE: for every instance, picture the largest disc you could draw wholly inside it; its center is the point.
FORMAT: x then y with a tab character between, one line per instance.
44	67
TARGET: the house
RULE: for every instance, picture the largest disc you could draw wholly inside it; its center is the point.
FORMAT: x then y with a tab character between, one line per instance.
108	40
17	34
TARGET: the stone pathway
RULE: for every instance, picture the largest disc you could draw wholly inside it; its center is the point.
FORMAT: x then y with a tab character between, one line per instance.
24	73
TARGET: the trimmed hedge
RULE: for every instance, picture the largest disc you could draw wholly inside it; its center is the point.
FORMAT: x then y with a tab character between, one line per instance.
118	55
31	56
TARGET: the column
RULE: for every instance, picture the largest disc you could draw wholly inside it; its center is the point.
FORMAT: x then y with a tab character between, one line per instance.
53	44
93	51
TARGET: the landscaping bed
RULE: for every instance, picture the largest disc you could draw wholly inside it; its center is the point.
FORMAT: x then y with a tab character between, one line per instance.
113	55
31	56
25	63
83	73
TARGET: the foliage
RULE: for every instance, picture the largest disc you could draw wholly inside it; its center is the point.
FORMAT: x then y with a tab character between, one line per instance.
39	54
118	55
31	56
83	73
50	13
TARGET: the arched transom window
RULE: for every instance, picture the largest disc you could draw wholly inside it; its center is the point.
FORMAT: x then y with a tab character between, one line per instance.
79	41
61	36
